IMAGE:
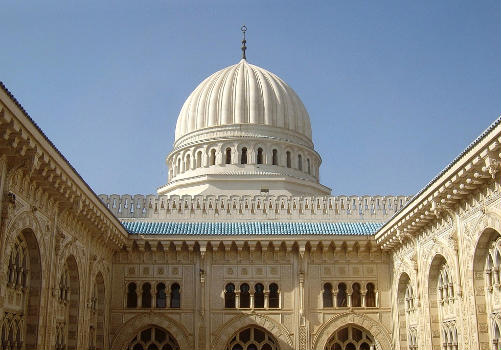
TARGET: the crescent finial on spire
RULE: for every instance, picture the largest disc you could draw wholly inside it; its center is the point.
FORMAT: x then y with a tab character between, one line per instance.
244	29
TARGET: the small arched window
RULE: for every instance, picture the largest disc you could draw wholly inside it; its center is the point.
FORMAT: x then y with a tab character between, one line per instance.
288	155
199	159
178	165
259	155
244	296
274	157
146	296
341	295
228	156
243	159
274	297
308	165
259	296
229	296
356	298
327	295
300	162
175	296
188	162
131	295
370	296
212	158
161	296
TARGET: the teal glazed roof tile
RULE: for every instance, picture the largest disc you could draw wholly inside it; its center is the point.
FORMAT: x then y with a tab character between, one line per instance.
251	228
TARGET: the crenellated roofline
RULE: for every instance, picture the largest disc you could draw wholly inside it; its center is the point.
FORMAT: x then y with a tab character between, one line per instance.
214	208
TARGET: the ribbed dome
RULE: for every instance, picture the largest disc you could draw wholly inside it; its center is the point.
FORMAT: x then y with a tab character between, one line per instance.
243	94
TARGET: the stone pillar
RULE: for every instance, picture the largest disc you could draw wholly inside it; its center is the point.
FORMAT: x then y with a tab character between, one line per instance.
237	299
167	298
266	299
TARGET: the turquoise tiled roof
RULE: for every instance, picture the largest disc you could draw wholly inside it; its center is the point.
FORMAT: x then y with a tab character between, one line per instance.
251	228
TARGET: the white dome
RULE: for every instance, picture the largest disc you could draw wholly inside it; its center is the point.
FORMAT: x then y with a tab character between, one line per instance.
243	94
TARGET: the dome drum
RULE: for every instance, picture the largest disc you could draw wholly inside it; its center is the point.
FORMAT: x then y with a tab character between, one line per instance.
246	156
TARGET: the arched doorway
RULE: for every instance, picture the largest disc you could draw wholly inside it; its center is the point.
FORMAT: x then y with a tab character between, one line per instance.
23	286
407	318
350	337
67	313
153	338
252	338
441	295
486	276
96	328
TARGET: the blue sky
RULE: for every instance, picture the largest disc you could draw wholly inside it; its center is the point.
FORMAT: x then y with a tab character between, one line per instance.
395	89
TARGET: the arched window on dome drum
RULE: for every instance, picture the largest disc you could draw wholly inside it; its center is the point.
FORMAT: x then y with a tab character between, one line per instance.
146	295
187	165
199	159
259	296
161	296
275	157
131	295
259	155
370	296
229	296
228	156
308	165
327	295
175	296
244	296
300	162
341	300
243	159
178	170
212	158
288	155
274	296
356	298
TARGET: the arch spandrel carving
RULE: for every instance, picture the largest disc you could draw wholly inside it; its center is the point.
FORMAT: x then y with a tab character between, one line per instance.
488	221
377	330
21	222
178	331
279	331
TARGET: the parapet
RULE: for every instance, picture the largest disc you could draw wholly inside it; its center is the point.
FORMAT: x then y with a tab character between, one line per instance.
254	208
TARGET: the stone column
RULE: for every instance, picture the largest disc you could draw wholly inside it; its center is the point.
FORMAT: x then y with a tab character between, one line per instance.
237	299
167	298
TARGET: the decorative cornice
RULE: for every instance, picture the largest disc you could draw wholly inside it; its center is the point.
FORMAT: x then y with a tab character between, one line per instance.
477	166
29	149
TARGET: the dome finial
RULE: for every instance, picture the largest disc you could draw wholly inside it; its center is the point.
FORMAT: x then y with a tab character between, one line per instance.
244	29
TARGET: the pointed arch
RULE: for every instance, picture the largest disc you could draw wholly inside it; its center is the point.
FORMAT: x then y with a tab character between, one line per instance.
381	335
139	322
24	230
279	331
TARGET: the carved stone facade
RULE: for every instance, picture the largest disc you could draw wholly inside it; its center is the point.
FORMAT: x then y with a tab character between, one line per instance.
425	276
